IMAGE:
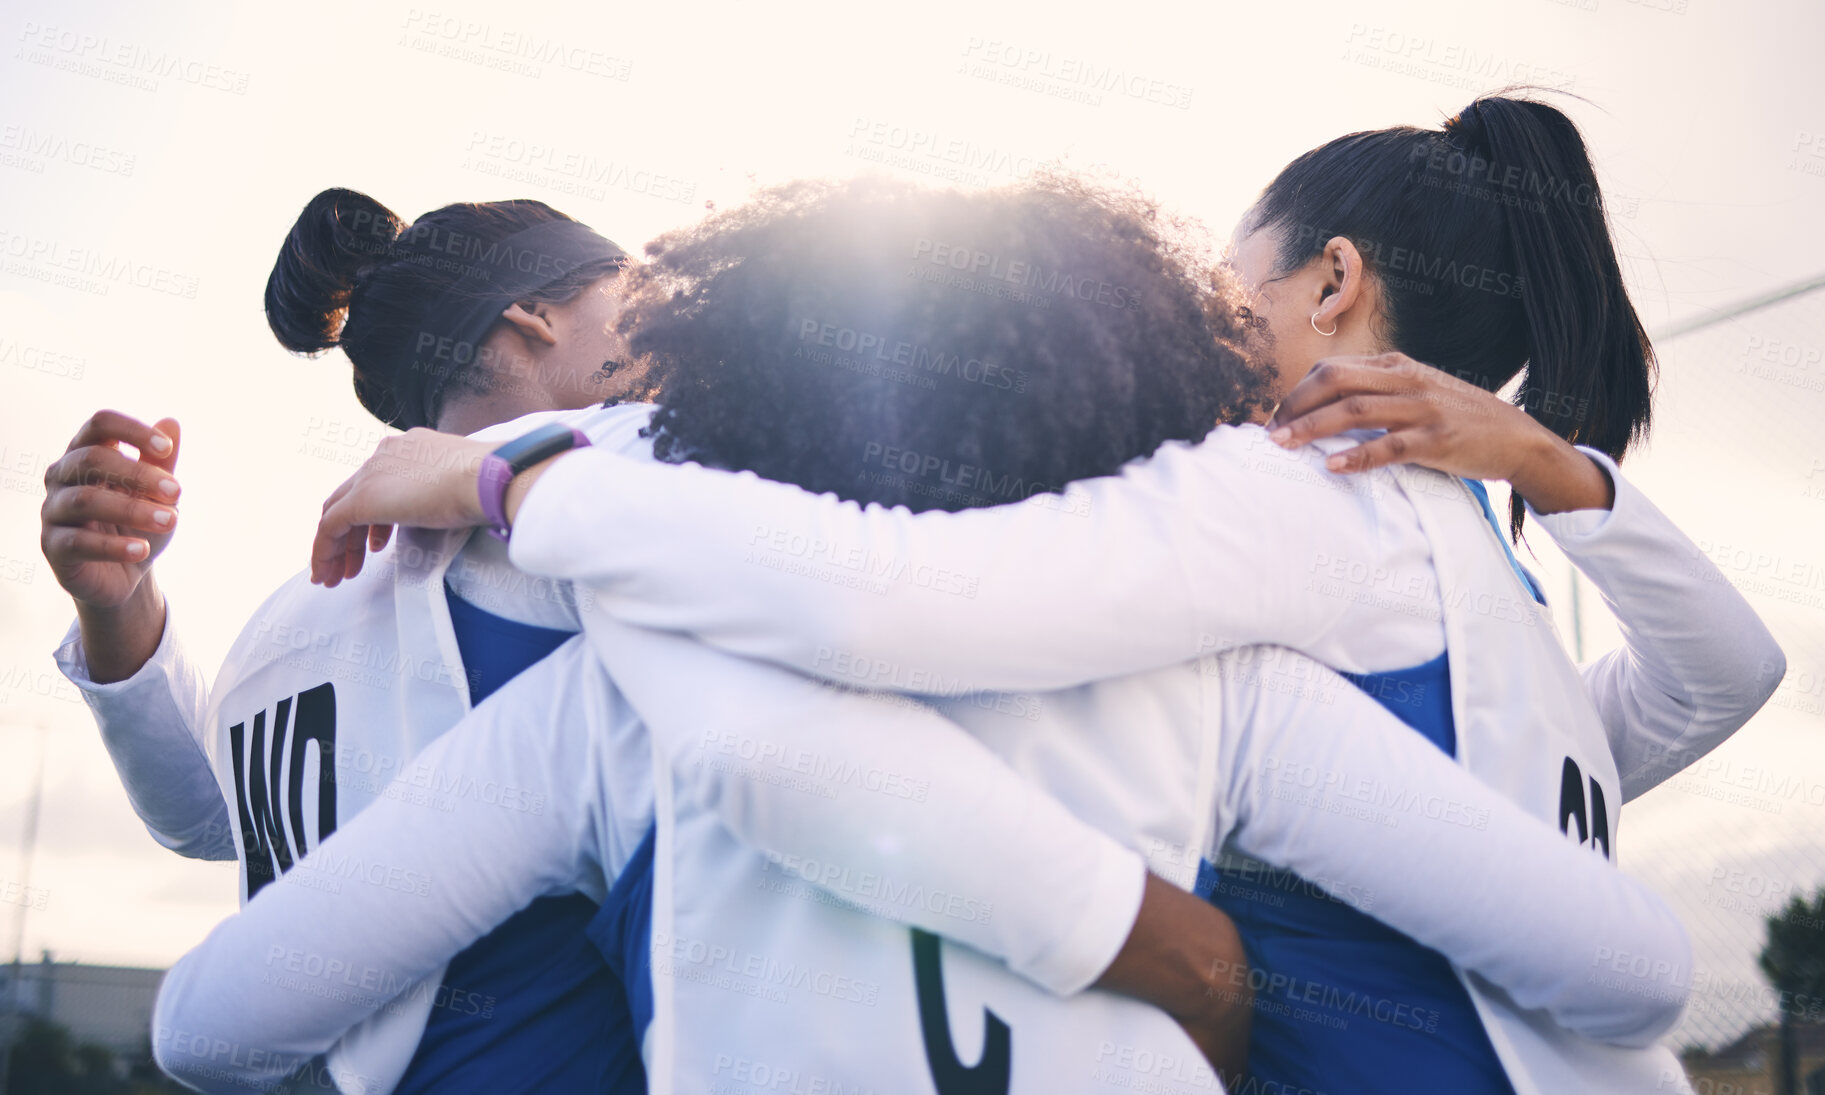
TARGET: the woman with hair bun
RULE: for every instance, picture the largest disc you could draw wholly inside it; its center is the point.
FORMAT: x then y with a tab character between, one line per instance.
471	315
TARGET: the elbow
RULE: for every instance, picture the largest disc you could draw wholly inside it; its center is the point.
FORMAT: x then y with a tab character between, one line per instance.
1653	1022
213	844
1770	671
174	1036
1756	679
1745	688
1649	987
185	1047
184	1069
190	831
1759	671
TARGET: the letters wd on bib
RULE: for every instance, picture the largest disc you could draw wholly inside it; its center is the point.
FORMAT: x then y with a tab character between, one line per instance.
295	751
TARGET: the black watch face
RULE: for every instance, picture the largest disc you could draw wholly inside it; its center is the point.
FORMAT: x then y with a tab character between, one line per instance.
546	441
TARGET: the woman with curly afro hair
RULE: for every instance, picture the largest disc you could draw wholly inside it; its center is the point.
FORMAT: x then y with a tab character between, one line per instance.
1034	336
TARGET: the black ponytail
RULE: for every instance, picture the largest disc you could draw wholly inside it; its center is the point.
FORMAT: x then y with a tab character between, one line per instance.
353	274
1590	366
1490	246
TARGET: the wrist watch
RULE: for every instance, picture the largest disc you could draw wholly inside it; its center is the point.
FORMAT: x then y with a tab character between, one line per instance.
500	466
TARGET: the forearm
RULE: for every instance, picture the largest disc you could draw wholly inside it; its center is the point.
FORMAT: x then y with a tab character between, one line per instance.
1356	803
876	798
1558	478
152	724
1696	661
118	640
1184	553
1185	957
869	597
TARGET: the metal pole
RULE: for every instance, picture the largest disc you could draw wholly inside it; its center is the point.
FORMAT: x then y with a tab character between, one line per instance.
29	840
1711	317
30	845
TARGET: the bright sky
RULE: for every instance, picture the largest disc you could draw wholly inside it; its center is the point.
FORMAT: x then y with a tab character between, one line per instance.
164	150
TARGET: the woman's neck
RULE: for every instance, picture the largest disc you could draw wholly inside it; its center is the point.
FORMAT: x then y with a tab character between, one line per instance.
469	413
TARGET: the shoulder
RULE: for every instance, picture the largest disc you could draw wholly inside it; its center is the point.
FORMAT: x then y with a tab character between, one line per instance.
1243	464
618	428
299	617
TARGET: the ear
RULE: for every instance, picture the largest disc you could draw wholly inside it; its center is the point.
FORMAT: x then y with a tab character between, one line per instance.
531	322
1343	281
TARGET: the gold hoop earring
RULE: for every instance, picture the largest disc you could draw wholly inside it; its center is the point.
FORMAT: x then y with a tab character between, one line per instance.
1328	333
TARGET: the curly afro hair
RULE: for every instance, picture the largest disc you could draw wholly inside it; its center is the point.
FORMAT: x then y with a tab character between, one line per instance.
933	348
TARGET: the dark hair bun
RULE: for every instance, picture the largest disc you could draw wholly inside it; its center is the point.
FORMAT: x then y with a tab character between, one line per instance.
339	235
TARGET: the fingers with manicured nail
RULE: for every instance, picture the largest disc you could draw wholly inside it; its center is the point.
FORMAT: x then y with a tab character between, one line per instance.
88	545
83	504
107	468
1353	412
114	428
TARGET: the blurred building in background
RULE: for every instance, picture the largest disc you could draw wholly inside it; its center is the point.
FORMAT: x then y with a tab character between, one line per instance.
1747	1066
108	1006
67	1028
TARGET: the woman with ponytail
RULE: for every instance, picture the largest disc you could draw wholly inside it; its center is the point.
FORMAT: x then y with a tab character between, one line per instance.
1481	249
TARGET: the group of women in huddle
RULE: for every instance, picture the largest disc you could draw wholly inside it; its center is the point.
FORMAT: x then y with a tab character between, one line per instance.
1199	655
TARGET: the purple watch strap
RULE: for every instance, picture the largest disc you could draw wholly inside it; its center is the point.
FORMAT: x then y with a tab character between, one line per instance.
491	483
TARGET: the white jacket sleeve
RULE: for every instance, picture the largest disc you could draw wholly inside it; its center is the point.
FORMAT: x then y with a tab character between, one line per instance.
404	885
1696	662
832	783
1120	574
153	724
1323	781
